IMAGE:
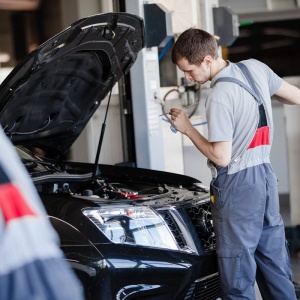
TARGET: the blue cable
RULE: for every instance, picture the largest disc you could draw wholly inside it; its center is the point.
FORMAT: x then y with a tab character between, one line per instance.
174	130
165	49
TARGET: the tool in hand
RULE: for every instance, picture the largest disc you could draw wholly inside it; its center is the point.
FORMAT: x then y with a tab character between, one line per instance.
173	129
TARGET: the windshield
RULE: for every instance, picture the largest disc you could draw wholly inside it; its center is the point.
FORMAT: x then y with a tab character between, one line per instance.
32	163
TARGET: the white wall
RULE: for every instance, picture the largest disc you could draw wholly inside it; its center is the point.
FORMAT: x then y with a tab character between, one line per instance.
279	152
292	114
85	147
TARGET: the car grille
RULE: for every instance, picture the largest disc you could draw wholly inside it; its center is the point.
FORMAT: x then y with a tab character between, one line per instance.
200	217
205	289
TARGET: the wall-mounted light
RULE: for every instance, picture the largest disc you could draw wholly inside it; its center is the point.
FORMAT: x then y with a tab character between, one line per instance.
19	4
4	57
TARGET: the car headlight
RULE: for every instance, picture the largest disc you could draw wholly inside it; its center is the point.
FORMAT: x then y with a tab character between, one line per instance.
132	225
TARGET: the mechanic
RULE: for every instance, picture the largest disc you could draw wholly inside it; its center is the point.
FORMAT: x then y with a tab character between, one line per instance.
32	265
249	229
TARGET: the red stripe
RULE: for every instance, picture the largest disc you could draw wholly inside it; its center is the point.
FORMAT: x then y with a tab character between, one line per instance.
12	203
262	137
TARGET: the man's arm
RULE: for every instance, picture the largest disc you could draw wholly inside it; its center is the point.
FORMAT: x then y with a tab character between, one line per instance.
217	152
287	93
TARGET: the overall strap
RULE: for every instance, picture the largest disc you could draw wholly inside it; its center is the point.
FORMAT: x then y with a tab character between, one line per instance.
252	90
250	80
240	83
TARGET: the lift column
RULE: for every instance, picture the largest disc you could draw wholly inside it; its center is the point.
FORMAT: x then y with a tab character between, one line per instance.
145	87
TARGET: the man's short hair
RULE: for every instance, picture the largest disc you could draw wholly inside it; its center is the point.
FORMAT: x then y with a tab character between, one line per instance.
194	44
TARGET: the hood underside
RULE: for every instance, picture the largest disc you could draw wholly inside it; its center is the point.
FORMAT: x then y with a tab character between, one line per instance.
47	100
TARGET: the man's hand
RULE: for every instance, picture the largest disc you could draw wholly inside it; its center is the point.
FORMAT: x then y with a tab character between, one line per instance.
218	152
180	120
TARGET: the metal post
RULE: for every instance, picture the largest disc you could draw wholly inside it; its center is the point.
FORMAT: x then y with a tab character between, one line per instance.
145	86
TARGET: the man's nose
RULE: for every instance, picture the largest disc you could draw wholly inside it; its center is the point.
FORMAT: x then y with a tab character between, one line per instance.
187	76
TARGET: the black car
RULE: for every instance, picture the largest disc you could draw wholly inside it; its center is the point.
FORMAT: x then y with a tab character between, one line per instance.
128	233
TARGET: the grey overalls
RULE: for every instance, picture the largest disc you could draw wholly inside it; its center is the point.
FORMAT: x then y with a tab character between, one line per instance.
250	233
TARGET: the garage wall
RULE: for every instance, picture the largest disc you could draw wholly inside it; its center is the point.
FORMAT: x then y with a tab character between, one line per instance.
279	153
292	115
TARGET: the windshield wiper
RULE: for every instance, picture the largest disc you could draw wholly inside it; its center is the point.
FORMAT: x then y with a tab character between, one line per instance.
33	163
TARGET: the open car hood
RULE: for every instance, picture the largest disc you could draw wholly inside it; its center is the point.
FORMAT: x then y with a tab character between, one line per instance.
47	100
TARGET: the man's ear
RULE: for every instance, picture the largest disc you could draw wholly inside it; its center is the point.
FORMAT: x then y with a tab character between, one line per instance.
207	61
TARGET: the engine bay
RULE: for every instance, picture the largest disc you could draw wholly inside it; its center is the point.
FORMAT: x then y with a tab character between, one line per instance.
107	189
